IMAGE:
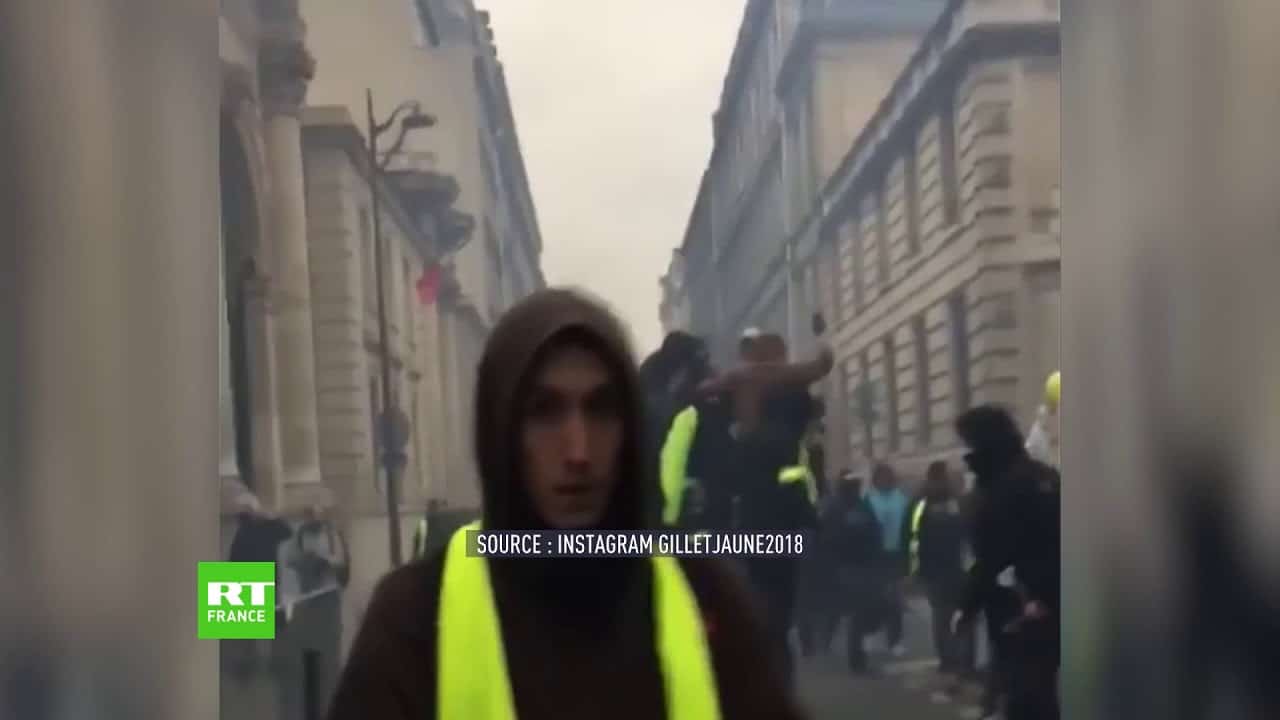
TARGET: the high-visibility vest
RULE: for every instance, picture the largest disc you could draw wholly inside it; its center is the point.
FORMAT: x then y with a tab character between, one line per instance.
472	678
674	462
917	516
801	473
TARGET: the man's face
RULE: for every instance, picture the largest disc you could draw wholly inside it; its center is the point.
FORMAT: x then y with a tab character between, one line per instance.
571	438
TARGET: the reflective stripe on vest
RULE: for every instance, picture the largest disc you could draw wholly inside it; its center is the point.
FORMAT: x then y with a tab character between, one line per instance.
472	679
914	545
675	462
801	473
420	539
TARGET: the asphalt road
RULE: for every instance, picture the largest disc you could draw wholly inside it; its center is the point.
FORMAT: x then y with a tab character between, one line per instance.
898	689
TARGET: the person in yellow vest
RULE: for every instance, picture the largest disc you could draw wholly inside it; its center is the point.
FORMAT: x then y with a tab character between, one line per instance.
694	442
558	446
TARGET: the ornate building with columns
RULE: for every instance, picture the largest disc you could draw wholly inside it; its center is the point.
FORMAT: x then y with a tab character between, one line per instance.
269	401
419	228
442	55
270	464
302	357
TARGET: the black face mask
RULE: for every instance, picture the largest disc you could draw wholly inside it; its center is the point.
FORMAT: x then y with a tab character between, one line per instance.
980	463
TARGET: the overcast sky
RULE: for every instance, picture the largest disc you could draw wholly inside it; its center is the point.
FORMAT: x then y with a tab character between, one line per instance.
613	99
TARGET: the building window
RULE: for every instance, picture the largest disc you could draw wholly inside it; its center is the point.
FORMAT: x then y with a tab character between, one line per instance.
841	407
882	240
1045	279
493	253
1042	220
991	118
994	173
375	404
366	260
1001	312
864	404
958	323
924	401
911	204
890	364
858	252
950	178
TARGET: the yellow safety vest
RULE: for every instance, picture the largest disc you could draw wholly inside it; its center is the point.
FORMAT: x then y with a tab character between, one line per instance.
473	683
801	473
674	462
917	517
914	546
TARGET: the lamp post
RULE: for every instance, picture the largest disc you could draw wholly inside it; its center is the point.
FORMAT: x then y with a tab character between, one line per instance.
392	427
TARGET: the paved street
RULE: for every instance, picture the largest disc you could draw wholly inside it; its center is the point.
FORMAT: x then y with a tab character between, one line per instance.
900	689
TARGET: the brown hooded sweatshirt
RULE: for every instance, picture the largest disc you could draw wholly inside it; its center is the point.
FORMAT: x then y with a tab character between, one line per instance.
579	634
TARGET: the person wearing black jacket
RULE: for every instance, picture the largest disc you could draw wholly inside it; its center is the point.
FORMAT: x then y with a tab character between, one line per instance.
851	537
938	537
1016	546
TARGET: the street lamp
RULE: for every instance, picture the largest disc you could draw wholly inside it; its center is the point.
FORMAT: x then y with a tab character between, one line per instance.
392	429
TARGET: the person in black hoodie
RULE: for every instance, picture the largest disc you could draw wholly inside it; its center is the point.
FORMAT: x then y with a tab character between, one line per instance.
938	537
687	435
558	442
1017	543
668	377
851	535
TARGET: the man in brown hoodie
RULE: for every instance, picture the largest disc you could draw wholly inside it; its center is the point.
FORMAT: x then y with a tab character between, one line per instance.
558	441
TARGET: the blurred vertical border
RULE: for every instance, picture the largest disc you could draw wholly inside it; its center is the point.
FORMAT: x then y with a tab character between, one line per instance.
1170	226
108	240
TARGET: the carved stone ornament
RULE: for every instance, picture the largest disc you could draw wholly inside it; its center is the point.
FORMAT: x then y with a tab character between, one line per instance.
284	70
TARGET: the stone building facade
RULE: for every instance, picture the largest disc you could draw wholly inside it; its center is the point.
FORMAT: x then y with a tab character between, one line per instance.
802	79
268	394
899	176
934	246
440	53
348	350
674	311
270	460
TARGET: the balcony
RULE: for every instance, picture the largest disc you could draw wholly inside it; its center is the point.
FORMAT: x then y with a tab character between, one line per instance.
429	194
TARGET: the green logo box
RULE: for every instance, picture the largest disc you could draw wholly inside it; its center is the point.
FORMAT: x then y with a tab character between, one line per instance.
237	600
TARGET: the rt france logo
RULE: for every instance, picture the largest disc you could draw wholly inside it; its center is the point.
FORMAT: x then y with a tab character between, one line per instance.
237	600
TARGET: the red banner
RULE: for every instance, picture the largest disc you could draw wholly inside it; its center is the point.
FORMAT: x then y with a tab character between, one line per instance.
428	285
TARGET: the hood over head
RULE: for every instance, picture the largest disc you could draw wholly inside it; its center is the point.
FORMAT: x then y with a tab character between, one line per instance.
674	370
993	438
506	369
